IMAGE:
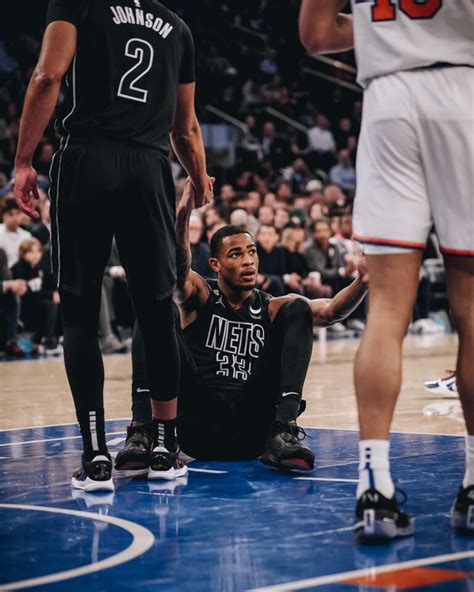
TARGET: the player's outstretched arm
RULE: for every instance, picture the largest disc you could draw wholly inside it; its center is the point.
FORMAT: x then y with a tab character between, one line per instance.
188	145
323	29
327	311
57	52
191	289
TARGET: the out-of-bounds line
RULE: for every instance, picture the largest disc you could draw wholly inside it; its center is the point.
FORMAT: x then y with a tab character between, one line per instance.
54	425
143	539
332	479
53	439
367	572
392	432
211	471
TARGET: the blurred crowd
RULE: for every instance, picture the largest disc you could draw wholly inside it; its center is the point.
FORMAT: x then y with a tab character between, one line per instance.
291	179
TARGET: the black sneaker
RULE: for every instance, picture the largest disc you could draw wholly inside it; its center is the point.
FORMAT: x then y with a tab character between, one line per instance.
284	449
166	465
135	455
94	475
462	512
379	519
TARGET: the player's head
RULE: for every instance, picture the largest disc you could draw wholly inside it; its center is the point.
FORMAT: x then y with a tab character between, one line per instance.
234	257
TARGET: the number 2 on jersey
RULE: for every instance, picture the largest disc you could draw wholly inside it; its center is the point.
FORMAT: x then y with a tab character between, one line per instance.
385	10
143	54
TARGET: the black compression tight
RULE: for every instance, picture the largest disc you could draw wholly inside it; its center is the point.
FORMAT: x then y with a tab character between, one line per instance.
84	365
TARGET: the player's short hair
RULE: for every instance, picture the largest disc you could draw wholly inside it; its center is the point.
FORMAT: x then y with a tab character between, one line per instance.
222	233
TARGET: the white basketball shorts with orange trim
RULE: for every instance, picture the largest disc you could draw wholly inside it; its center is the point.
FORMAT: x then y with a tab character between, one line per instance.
415	163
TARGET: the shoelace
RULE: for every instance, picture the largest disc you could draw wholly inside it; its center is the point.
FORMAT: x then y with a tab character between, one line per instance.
450	374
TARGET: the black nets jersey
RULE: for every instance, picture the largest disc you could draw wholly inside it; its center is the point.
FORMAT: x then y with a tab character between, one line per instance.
122	84
226	343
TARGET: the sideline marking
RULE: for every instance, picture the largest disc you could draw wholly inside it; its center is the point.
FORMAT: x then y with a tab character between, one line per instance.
143	539
212	471
53	439
334	479
54	425
368	572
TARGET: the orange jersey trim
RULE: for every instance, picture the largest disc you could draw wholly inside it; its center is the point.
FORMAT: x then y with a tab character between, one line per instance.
388	242
456	252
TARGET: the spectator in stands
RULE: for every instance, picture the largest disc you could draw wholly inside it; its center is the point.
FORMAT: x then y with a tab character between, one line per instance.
326	258
115	298
281	218
344	131
266	215
334	197
11	235
283	192
10	292
292	241
322	143
211	217
343	173
277	148
273	276
298	175
39	304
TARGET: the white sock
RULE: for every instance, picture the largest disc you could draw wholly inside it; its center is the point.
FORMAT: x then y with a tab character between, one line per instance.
374	468
469	474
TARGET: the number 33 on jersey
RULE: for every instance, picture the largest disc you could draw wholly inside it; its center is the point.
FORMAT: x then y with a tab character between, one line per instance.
397	35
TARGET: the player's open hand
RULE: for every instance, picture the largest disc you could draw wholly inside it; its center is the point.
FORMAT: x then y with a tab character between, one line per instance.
26	191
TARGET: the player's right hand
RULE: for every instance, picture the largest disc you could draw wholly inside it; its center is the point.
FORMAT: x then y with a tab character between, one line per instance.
204	195
26	191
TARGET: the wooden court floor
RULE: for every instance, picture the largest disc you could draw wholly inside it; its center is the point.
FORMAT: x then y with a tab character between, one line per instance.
36	393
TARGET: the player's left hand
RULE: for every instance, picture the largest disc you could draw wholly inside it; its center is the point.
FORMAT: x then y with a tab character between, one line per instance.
26	191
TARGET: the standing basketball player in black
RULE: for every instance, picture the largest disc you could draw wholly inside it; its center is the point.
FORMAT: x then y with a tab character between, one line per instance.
129	81
244	358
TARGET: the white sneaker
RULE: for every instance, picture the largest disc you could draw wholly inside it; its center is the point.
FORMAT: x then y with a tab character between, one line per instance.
426	327
444	387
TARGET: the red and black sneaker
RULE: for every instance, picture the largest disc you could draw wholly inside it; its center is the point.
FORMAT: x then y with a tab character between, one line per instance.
284	449
135	455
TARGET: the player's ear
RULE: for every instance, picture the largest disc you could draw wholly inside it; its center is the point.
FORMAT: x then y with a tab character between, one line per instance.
214	264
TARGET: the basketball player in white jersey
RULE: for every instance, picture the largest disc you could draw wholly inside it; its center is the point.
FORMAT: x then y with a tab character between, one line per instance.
415	166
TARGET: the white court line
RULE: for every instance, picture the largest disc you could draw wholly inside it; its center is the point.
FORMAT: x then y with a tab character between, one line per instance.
392	432
52	439
143	539
212	471
54	425
365	572
326	479
115	441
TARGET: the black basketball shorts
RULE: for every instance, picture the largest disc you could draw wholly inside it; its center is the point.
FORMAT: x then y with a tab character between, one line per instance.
104	190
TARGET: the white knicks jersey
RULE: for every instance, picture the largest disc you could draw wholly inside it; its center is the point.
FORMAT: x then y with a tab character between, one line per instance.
396	35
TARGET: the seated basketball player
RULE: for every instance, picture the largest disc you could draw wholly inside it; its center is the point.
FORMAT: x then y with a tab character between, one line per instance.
244	360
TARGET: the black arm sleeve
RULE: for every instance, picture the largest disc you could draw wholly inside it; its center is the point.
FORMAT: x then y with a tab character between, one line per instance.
65	10
187	70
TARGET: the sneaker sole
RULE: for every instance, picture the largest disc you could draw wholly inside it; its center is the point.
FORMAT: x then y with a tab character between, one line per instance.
90	486
459	522
442	394
287	464
169	475
381	532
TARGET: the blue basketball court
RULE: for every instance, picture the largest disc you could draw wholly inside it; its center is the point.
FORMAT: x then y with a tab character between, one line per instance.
228	526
